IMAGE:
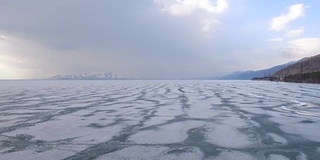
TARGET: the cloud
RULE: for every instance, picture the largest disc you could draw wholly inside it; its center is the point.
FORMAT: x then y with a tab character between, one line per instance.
130	38
295	33
294	12
275	40
188	7
98	36
18	62
2	37
303	47
203	12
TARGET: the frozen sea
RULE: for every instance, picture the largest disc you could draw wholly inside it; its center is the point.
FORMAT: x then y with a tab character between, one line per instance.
155	120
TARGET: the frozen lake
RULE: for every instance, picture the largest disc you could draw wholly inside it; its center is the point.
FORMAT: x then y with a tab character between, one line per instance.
240	120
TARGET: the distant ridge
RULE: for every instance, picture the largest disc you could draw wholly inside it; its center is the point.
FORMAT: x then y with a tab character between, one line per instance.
248	75
90	76
305	65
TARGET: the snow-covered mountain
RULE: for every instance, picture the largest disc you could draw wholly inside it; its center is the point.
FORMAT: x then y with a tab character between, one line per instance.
89	76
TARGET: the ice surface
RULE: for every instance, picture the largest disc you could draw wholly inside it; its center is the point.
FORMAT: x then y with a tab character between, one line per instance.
233	155
277	138
156	153
170	133
31	155
159	120
229	137
277	157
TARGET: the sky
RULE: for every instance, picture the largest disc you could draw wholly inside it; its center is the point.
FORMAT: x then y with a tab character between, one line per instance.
154	38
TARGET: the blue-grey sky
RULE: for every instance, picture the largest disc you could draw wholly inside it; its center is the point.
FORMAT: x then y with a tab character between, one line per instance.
154	38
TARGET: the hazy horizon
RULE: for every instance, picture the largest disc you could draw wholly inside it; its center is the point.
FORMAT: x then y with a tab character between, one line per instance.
162	39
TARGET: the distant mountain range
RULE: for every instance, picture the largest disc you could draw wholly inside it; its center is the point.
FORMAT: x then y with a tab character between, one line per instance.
89	76
305	65
247	75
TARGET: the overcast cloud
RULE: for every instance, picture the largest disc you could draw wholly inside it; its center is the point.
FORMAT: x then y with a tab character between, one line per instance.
151	39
